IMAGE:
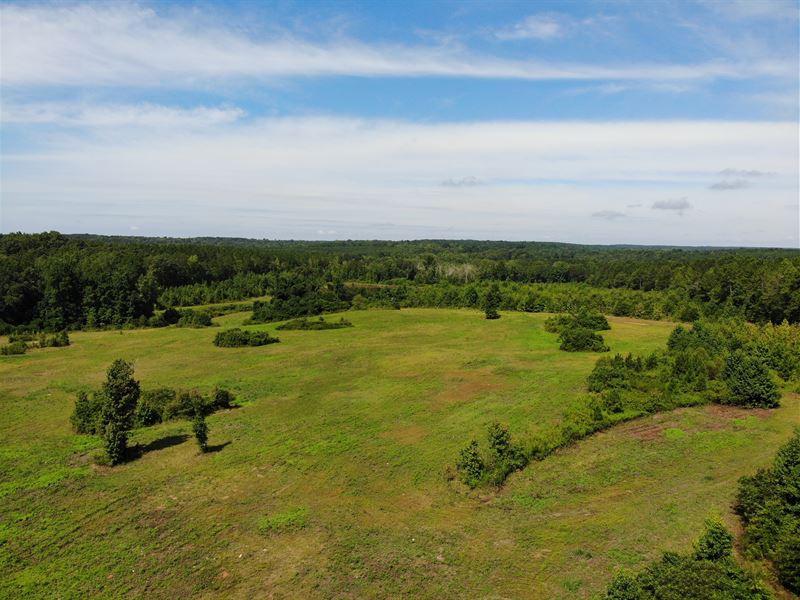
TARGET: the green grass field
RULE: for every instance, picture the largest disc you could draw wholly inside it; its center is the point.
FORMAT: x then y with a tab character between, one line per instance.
330	481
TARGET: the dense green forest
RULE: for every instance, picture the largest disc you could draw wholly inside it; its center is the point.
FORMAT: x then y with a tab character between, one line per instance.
51	281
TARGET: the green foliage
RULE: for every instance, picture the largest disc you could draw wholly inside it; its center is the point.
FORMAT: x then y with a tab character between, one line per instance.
308	324
235	338
749	381
151	406
86	416
708	574
491	302
580	319
120	393
768	504
288	520
470	465
13	348
582	340
716	543
194	318
200	429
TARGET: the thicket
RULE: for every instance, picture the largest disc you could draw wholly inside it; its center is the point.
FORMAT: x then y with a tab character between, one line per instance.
49	281
769	504
120	405
725	362
313	324
20	343
236	338
709	573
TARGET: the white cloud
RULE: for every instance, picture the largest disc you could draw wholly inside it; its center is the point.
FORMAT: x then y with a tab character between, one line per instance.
468	181
537	27
127	45
139	115
364	178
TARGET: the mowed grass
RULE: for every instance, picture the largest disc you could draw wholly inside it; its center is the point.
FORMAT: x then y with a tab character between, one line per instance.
330	480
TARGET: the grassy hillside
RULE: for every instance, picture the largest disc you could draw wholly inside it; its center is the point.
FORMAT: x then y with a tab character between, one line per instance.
330	480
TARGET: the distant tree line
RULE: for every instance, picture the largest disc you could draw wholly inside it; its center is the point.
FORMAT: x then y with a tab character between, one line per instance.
51	282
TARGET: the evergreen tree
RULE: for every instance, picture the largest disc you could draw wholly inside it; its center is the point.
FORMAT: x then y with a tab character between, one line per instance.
120	393
492	302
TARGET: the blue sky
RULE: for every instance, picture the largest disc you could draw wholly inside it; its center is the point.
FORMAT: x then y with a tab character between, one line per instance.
598	122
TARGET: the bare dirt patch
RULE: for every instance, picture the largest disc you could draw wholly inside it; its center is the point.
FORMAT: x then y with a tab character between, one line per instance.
462	386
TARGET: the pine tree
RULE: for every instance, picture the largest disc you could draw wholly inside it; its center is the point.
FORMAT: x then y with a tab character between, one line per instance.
120	393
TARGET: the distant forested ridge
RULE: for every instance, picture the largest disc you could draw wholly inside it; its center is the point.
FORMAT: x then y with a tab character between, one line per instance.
50	281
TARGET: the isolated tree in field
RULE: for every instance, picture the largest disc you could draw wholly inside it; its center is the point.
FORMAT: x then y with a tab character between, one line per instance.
120	393
200	428
492	302
716	543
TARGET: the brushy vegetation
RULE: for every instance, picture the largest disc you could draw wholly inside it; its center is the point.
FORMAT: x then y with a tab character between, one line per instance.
577	330
120	405
236	338
769	504
306	324
709	573
726	362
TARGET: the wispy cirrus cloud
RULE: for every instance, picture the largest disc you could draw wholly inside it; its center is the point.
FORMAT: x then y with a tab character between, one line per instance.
129	45
116	115
533	27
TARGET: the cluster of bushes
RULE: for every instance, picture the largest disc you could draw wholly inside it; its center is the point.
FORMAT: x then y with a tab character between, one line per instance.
120	405
503	458
708	573
20	343
577	330
294	297
236	338
769	504
582	318
193	318
710	362
306	324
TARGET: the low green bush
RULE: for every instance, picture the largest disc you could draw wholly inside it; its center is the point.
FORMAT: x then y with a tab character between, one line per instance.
17	347
578	339
236	338
194	318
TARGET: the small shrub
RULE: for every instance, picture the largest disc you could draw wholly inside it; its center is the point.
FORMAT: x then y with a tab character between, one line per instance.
200	429
221	399
17	347
152	405
86	416
716	543
182	405
288	520
470	465
582	340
